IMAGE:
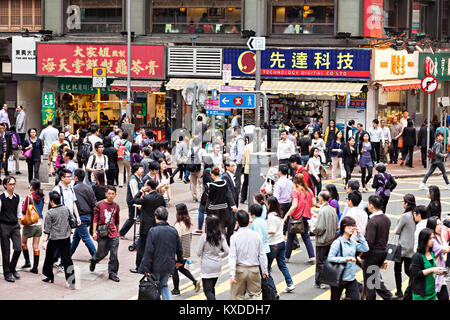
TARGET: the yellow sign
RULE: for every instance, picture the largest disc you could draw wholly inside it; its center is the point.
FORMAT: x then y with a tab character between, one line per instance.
99	72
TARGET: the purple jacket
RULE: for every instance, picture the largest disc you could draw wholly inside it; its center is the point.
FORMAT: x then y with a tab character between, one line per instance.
439	254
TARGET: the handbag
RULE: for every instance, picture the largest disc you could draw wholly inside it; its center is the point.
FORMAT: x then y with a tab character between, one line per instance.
400	143
394	252
31	215
73	223
323	173
296	225
332	272
29	152
267	289
102	230
149	288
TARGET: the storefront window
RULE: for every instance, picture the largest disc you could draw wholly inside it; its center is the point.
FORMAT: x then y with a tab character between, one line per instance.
391	104
16	15
94	16
316	17
196	16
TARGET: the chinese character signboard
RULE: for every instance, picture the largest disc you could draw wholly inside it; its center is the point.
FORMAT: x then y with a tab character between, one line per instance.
302	63
24	55
77	60
48	106
82	85
356	102
390	64
373	18
436	65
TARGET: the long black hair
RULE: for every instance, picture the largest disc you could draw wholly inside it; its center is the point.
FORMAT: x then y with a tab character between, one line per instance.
274	206
36	185
183	215
410	201
213	231
424	236
331	188
435	195
432	223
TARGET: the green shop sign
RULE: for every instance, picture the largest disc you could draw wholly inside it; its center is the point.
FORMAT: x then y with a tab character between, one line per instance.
48	106
82	85
437	65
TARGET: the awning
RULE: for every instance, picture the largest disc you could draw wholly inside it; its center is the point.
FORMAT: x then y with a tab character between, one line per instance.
399	85
142	86
312	88
178	83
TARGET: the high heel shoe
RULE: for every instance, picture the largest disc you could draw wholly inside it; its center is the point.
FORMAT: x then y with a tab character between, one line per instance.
48	280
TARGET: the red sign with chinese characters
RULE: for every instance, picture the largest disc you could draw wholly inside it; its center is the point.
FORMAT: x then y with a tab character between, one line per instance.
78	60
373	18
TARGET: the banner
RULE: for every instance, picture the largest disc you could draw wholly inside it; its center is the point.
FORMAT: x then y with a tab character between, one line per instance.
302	63
77	60
436	65
48	107
373	18
356	102
24	55
390	64
82	85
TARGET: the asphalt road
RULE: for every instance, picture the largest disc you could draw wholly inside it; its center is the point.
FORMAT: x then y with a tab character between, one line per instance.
96	285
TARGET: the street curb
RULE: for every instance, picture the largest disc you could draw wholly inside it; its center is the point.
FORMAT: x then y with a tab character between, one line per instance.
408	175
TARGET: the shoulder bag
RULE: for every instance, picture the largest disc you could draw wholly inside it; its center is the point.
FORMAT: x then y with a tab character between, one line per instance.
149	288
28	153
102	230
332	272
73	223
394	251
31	215
296	225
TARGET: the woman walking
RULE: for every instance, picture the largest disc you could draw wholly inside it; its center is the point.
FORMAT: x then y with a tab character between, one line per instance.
135	155
330	136
384	183
164	184
111	153
276	241
181	153
317	142
57	239
424	269
334	199
166	149
405	229
336	152
37	154
302	201
123	147
366	160
212	248
206	177
36	199
343	250
81	136
440	248
409	141
350	158
434	208
99	186
184	229
314	169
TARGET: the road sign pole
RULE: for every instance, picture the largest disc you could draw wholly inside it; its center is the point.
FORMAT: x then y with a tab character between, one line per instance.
213	133
257	133
128	111
98	106
428	129
194	107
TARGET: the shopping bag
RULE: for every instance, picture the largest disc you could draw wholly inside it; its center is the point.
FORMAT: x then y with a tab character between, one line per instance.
394	252
10	164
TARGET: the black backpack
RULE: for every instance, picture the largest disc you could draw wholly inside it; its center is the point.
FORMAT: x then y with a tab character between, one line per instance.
85	151
192	165
66	138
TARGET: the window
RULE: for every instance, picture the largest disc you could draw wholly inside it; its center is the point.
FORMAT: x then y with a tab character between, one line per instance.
94	16
196	16
16	15
302	17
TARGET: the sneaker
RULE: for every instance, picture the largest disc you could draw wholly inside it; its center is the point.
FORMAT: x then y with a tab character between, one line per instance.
197	286
175	292
289	289
365	190
92	266
422	186
61	268
320	286
313	261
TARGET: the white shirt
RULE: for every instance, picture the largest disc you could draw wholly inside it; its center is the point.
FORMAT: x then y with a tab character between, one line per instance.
361	219
314	166
375	134
275	224
49	135
419	227
93	139
404	122
68	197
19	206
386	134
285	149
4	117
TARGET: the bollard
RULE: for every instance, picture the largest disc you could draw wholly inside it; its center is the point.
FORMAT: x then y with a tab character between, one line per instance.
259	163
43	170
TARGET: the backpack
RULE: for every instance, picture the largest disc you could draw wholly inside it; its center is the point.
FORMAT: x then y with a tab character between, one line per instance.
431	155
121	151
193	165
15	141
66	138
85	151
384	190
310	183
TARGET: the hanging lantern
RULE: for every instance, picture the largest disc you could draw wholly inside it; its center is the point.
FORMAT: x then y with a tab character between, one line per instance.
230	9
182	9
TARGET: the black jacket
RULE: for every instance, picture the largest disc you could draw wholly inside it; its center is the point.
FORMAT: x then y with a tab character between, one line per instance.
150	202
231	187
433	209
372	151
417	278
163	244
206	177
86	200
422	137
350	158
111	153
378	182
409	136
358	138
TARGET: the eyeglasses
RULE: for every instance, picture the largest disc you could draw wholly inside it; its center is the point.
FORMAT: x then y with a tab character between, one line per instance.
11	184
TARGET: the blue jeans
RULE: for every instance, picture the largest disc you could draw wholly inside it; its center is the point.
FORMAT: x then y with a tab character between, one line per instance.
304	160
306	240
186	175
278	252
166	203
201	216
82	233
163	278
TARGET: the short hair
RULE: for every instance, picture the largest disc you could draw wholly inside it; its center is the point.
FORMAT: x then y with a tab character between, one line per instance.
284	131
439	134
7	179
215	171
242	218
380	167
422	211
125	135
55	197
67	128
295	158
70	154
161	213
180	138
351	122
199	118
375	121
49	121
376	201
283	169
347	221
59	133
237	130
292	130
325	195
353	185
151	183
197	141
146	151
63	172
305	131
79	173
110	187
422	243
228	163
94	129
255	209
136	167
149	134
98	144
355	197
154	165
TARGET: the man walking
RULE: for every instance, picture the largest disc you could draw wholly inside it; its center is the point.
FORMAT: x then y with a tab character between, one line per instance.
377	235
86	202
396	132
10	214
385	142
247	257
305	147
53	154
326	231
48	136
149	200
163	244
237	152
195	158
375	139
4	117
438	162
285	149
107	216
6	147
232	186
422	141
21	123
358	135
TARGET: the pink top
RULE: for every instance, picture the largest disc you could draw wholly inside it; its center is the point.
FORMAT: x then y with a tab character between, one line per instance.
301	203
308	205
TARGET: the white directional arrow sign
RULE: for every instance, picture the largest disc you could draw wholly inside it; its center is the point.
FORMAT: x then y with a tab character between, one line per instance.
225	100
257	43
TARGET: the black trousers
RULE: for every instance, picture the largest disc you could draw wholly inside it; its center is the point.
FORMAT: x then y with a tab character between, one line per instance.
141	249
111	176
376	148
176	277
244	190
22	137
410	154
371	272
351	290
394	150
398	277
180	168
385	203
33	169
209	285
7	233
348	170
129	223
321	256
63	247
423	153
365	180
230	227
